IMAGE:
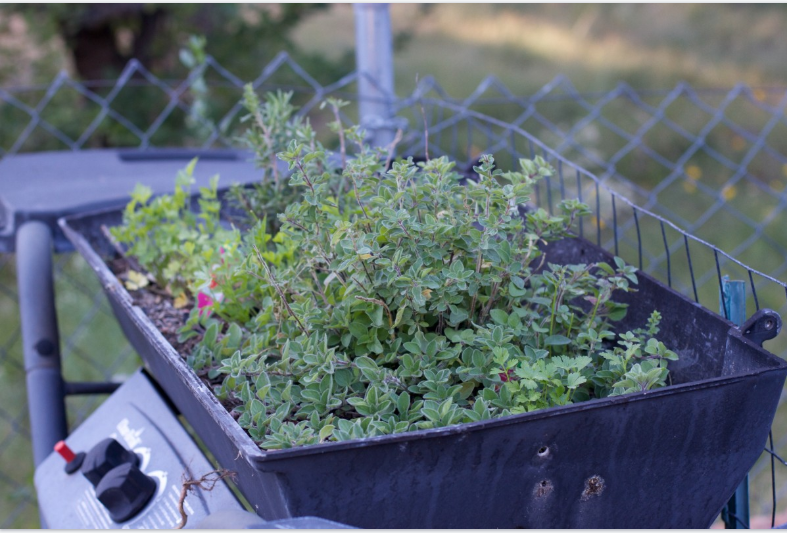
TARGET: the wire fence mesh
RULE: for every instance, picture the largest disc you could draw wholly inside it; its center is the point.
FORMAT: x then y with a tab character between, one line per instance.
713	162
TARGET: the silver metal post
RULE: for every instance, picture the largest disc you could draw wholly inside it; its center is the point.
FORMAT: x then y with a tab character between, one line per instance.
40	339
374	61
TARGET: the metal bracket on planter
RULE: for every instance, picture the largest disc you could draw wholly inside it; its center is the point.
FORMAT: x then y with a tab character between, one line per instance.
763	326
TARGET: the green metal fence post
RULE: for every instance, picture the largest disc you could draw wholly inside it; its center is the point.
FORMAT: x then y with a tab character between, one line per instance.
732	305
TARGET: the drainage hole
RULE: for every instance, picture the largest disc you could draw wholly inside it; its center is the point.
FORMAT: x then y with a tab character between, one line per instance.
543	488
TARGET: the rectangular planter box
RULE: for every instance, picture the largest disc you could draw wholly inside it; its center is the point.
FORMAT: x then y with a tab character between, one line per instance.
670	457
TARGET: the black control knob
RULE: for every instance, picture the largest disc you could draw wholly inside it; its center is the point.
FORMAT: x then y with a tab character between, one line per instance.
105	456
124	491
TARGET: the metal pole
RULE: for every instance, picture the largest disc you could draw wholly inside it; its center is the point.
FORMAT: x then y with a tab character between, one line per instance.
732	304
374	61
40	339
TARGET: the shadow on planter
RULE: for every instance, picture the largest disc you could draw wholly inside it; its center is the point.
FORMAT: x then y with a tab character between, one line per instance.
670	457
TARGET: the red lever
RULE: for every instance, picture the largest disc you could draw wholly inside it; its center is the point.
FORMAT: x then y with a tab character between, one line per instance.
64	451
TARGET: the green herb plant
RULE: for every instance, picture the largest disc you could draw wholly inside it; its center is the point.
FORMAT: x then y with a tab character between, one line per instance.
173	243
389	300
272	125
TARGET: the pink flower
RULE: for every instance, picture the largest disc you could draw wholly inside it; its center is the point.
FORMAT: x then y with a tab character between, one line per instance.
203	301
213	283
506	376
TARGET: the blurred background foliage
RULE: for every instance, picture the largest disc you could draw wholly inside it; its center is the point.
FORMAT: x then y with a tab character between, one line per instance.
596	46
526	45
95	41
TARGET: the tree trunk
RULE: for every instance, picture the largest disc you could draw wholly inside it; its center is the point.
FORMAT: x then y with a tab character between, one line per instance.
94	43
95	53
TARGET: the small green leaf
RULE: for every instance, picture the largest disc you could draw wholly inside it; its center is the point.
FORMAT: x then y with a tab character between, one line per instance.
606	268
190	167
412	347
499	316
399	315
497	334
326	432
515	291
210	334
457	315
234	336
403	403
376	315
368	368
617	311
262	392
257	407
358	330
574	380
556	340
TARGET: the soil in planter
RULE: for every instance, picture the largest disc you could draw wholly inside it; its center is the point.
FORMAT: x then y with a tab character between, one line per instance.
159	306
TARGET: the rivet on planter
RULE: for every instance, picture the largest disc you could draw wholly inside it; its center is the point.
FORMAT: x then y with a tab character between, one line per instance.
594	486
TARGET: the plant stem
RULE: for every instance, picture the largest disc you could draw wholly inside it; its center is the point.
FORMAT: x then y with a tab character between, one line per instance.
401	225
595	309
472	303
342	146
305	177
426	130
317	288
391	147
488	308
279	291
358	199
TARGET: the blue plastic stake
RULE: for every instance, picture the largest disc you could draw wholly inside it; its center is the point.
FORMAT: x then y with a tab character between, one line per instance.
732	305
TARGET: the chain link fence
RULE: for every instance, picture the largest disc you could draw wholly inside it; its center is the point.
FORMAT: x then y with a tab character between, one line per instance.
713	162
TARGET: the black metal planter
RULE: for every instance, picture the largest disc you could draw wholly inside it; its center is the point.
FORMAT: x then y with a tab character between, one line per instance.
666	458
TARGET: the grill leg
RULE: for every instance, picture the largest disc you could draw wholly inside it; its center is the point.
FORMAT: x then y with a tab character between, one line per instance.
40	339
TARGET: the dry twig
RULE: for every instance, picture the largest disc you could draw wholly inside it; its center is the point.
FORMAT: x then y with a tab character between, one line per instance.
206	482
392	148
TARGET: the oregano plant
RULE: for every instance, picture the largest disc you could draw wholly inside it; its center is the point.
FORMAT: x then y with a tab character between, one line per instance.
385	300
